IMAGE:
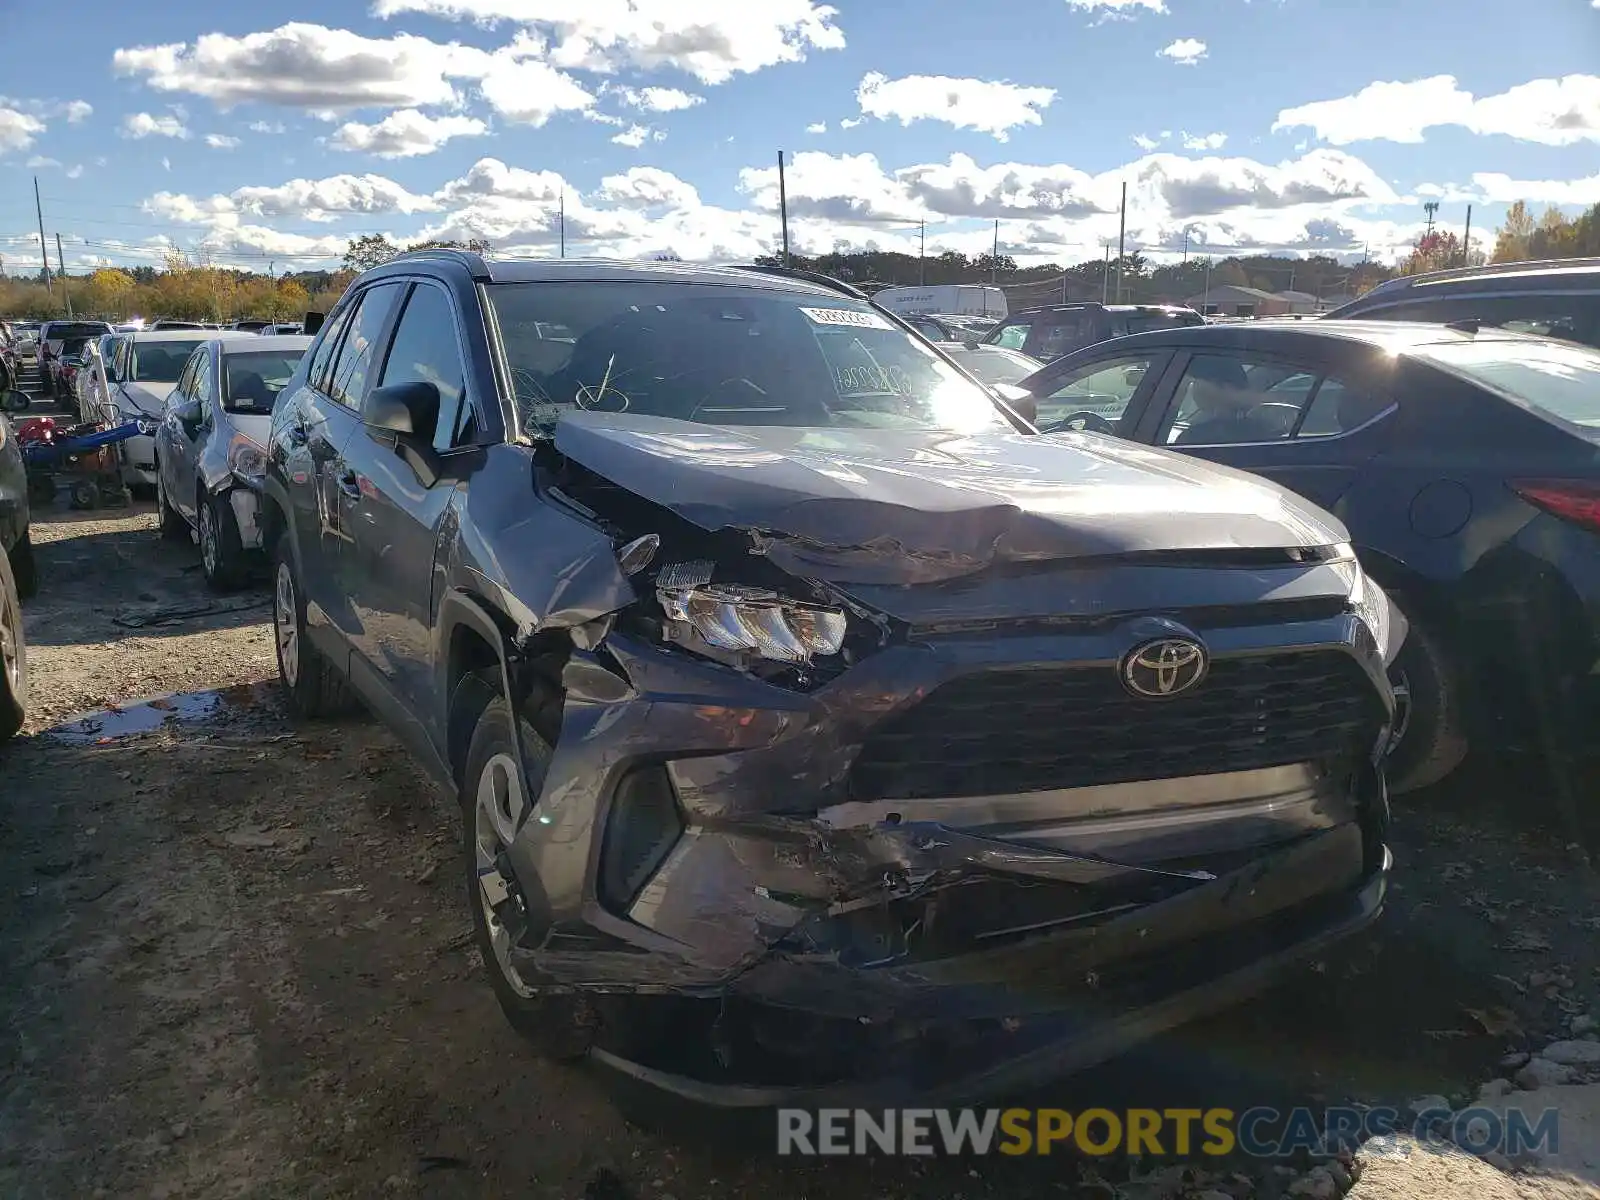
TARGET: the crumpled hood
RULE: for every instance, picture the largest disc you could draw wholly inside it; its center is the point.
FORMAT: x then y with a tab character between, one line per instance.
149	398
897	507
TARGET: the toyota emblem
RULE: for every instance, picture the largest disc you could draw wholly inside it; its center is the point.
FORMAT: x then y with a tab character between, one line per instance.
1164	668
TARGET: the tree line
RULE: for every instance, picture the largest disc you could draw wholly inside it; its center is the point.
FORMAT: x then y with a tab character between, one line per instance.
186	287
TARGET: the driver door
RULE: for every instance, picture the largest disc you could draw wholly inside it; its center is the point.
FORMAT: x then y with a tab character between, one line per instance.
1106	394
181	490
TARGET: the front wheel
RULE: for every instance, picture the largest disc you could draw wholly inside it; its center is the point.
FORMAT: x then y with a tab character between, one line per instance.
221	552
1429	740
495	802
13	656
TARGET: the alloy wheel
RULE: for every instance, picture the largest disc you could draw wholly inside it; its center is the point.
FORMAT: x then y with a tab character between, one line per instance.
286	625
500	804
10	643
208	539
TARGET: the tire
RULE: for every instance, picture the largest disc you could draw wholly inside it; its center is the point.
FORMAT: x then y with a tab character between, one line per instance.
1431	739
173	525
559	1026
13	656
310	683
85	495
221	551
25	567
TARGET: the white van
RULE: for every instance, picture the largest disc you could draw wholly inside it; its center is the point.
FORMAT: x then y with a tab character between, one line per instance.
957	299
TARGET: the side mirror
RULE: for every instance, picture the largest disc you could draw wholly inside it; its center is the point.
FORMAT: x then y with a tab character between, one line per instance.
314	322
404	415
1021	401
14	401
188	415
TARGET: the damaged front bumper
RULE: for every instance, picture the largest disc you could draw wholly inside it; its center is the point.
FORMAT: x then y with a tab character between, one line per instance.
810	925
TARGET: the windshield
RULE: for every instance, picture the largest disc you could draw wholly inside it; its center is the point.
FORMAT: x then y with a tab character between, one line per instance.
1558	377
995	365
256	378
159	362
725	355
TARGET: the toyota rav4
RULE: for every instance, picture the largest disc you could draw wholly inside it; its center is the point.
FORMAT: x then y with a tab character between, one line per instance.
819	728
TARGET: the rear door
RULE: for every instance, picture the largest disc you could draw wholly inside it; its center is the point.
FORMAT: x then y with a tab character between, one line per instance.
1304	424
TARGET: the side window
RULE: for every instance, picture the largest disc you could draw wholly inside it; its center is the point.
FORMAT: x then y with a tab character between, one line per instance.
1338	408
425	350
1225	399
1571	317
1012	337
185	386
204	389
928	330
1103	389
347	383
322	355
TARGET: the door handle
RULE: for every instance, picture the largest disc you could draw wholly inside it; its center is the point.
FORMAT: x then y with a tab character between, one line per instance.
350	484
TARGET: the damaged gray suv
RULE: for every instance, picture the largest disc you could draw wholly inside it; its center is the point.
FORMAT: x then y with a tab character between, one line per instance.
820	730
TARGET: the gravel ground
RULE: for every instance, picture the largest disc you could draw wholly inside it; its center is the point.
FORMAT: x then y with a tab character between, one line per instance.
234	955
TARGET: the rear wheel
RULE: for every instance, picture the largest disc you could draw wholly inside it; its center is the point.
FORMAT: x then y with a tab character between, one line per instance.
172	523
13	655
1429	740
312	685
495	802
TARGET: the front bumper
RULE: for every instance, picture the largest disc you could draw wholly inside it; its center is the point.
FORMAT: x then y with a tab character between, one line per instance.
245	502
139	458
1018	930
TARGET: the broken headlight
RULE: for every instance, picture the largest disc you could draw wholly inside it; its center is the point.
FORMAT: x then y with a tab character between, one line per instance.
1371	603
737	618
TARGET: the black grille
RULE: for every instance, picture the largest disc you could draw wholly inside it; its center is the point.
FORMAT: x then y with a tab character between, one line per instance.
996	732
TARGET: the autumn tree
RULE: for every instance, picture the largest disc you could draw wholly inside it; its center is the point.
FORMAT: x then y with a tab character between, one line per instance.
1511	241
368	251
107	291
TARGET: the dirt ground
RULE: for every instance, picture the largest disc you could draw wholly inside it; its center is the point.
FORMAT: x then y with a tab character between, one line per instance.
235	956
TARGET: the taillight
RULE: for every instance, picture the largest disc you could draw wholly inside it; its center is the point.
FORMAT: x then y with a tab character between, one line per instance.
1572	500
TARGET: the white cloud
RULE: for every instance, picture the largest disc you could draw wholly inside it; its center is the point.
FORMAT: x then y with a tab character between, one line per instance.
817	127
530	92
1502	189
324	199
18	129
39	162
1122	9
712	40
186	210
658	99
404	134
306	66
266	127
648	187
980	104
166	163
852	122
75	171
221	141
1552	112
76	111
143	125
637	135
1186	52
1204	141
1145	142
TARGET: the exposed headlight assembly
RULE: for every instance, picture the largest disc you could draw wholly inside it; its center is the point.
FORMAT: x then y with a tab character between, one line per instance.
734	617
246	459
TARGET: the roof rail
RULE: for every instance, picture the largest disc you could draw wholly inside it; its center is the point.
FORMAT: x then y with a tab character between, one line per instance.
470	259
1490	269
816	277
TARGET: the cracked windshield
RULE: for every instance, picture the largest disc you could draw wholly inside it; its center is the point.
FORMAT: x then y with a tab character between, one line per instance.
648	600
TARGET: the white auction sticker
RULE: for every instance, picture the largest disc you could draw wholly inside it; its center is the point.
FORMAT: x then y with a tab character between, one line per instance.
854	318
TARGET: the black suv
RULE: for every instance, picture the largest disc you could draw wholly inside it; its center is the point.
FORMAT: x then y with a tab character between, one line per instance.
1559	299
1049	332
818	727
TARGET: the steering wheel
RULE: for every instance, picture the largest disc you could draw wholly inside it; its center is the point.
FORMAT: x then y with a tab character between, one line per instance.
1092	422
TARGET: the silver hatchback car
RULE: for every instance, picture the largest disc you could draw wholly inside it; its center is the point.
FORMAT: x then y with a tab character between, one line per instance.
210	448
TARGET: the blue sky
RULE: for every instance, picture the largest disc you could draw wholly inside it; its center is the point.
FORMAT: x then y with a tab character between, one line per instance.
272	133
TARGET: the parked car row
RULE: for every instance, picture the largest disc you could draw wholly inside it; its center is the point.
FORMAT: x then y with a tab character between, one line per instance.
816	693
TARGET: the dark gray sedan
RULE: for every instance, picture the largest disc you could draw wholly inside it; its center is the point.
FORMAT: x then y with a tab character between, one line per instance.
14	539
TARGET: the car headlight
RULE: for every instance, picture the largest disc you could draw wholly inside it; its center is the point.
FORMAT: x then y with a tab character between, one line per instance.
732	617
246	459
1378	613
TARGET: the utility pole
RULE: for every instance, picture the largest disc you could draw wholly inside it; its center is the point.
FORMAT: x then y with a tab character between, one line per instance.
563	222
1466	241
922	257
783	208
994	266
1122	239
1205	301
44	254
1186	245
62	271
